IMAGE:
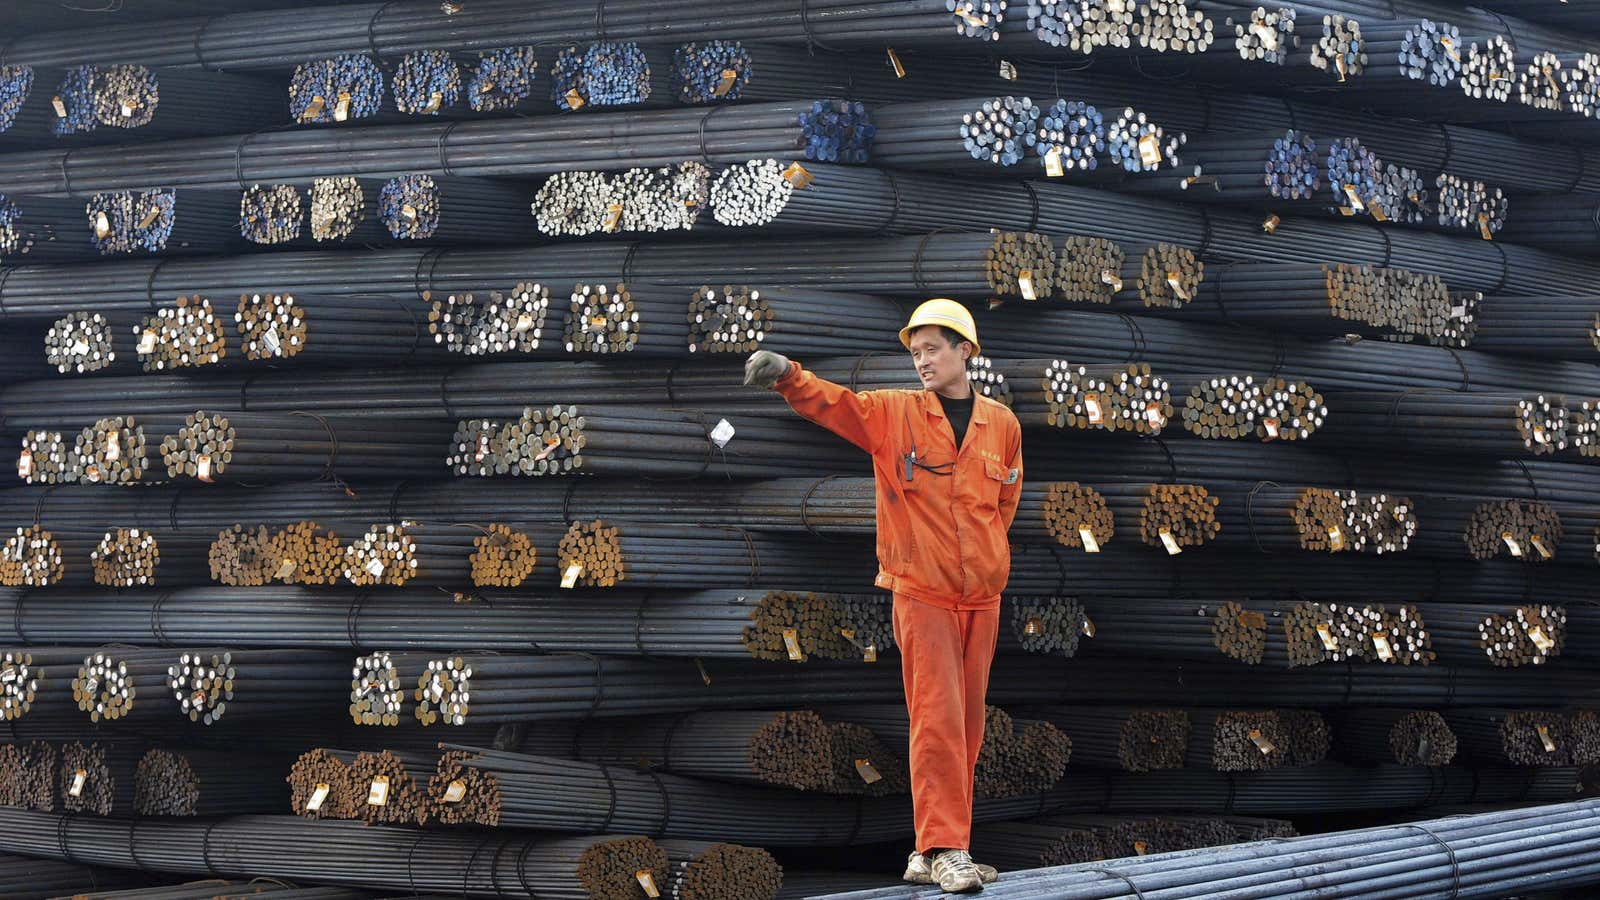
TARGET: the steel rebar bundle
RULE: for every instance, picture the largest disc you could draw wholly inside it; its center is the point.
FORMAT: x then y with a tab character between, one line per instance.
1240	406
454	210
108	683
344	209
350	330
1123	738
133	557
607	73
98	778
272	447
1527	737
396	786
336	89
625	318
426	82
721	871
28	775
270	214
1055	393
187	333
253	683
521	320
30	557
163	103
1394	736
1179	630
744	318
321	785
1502	425
503	79
207	783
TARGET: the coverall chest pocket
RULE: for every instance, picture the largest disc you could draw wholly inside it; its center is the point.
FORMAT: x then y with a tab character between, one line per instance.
994	477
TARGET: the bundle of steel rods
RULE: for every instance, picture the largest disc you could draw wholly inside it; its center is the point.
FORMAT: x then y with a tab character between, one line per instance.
207	783
1124	738
626	318
133	557
1394	736
1334	632
1180	630
1527	737
395	785
321	786
503	79
1492	424
108	683
344	209
1112	398
515	321
187	333
744	318
453	210
270	214
426	82
334	331
28	774
164	102
336	89
1236	407
253	683
274	447
30	557
721	871
607	73
98	778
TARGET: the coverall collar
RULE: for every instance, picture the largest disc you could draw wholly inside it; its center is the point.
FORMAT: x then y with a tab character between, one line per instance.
931	406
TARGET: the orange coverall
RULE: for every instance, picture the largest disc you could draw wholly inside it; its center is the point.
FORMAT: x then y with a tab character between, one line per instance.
942	550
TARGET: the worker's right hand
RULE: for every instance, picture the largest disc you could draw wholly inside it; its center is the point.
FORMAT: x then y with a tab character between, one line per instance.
765	367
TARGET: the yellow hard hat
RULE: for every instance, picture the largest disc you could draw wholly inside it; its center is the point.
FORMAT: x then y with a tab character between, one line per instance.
946	313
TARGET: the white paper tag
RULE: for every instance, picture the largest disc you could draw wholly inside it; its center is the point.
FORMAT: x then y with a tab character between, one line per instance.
113	447
1544	552
79	778
271	340
1086	534
1007	70
1052	163
1086	627
1335	538
1325	631
1176	283
374	567
722	434
1167	541
318	797
1271	425
378	794
60	107
647	881
1511	543
1091	405
1025	284
1152	414
870	654
9	675
569	577
1262	743
1540	639
1149	151
25	464
524	322
1111	278
147	341
1380	641
81	347
202	466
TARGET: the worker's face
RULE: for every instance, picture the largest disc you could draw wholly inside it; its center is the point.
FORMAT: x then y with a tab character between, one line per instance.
941	365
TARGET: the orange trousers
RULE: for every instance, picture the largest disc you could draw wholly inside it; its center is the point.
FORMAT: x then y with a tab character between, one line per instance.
944	660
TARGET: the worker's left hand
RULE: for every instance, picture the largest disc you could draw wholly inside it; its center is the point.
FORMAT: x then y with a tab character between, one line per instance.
765	367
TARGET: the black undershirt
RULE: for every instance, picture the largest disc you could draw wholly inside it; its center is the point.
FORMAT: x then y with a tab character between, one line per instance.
959	412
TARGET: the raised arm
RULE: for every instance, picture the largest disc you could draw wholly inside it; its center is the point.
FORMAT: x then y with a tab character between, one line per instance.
858	417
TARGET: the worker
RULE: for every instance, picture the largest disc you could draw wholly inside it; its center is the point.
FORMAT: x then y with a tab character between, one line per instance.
948	466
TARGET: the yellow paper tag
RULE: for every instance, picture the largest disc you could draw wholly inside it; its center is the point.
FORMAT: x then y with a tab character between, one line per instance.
791	642
1033	626
894	60
1335	539
613	217
341	110
434	100
1511	543
1377	213
285	568
318	797
150	217
1253	620
797	176
1325	631
79	778
1270	226
1091	405
455	791
1544	552
25	464
1086	535
408	211
1152	414
1149	151
574	99
1355	199
648	882
1544	738
1025	284
1112	278
870	654
1166	541
569	577
147	341
1260	740
1540	639
1141	848
1483	228
1380	641
1338	64
202	466
1007	70
868	774
1086	627
1052	163
729	78
378	794
61	108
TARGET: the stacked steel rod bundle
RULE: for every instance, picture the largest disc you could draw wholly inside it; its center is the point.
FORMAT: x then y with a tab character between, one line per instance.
1585	427
270	214
1070	134
1526	737
1340	49
1136	144
377	692
1076	515
1493	424
601	554
389	555
633	317
1580	84
1170	26
1539	82
721	871
1564	327
304	552
1111	398
453	210
1266	36
342	209
321	786
1403	737
24	672
1089	269
607	73
1511	529
276	447
173	102
1342	632
1378	523
991	131
108	683
1181	630
187	333
1521	636
45	458
631	440
396	786
16	85
28	775
1048	625
511	322
1237	740
799	626
117	450
336	89
1470	205
1081	26
1273	517
134	557
1236	407
207	685
1123	738
426	82
345	330
503	556
99	778
32	557
743	318
1174	516
713	71
241	557
576	204
665	198
1486	74
207	783
503	79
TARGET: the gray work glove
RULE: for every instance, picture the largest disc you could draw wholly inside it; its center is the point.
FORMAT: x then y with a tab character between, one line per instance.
765	367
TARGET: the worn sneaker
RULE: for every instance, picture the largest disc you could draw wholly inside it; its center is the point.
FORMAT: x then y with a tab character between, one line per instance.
954	872
920	871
